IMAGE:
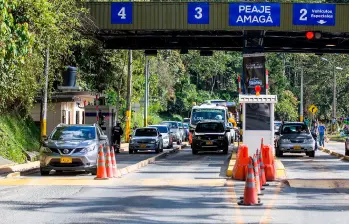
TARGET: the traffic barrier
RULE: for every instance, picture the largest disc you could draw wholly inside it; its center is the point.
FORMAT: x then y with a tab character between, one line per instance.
109	164
250	192
259	169
101	170
269	163
240	167
256	175
113	162
262	172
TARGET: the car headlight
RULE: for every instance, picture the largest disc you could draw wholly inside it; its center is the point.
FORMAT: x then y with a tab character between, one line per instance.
89	148
285	140
153	142
220	137
45	150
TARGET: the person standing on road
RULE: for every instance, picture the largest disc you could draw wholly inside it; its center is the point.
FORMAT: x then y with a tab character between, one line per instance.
321	130
117	133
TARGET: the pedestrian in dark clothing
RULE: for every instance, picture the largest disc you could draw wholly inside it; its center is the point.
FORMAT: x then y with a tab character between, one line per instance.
314	133
117	132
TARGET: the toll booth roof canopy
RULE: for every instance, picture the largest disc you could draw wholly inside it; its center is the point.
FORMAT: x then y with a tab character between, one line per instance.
257	99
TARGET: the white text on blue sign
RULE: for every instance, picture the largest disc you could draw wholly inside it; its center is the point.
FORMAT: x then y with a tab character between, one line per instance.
254	14
314	14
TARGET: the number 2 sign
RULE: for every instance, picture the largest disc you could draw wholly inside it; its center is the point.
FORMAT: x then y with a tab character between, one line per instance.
121	12
198	13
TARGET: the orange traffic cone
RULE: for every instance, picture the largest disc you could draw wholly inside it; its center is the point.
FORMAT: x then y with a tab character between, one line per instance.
109	164
101	171
250	192
262	173
259	170
256	175
113	162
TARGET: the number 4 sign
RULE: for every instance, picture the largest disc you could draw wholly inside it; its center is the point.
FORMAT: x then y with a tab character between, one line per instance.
198	13
121	12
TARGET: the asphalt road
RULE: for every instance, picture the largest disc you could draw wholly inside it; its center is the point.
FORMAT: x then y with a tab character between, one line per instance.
184	188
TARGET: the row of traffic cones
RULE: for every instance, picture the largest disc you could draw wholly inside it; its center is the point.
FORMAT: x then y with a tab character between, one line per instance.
255	180
106	168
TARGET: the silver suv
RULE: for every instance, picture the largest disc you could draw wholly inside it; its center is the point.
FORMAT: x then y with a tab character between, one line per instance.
72	148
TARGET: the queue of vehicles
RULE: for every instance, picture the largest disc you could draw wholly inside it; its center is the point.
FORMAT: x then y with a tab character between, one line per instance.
75	147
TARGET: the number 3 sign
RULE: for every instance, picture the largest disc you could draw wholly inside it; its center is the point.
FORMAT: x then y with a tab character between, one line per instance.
121	12
198	13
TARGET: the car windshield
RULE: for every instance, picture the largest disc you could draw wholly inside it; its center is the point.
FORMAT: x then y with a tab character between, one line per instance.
209	127
180	125
207	114
172	125
294	129
73	133
146	132
185	125
186	120
162	129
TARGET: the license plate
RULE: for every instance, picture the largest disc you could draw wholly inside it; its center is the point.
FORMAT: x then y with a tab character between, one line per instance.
297	147
143	146
66	160
209	143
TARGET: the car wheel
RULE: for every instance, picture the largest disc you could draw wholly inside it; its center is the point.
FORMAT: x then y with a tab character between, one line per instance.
347	152
311	154
194	151
94	172
162	148
157	150
225	150
44	172
130	151
278	153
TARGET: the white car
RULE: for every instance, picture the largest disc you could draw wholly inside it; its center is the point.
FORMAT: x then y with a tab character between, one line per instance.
166	136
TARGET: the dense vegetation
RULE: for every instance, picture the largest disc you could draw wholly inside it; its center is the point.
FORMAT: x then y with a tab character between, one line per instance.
29	27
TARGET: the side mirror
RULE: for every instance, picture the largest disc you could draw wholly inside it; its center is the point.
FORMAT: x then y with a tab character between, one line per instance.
103	137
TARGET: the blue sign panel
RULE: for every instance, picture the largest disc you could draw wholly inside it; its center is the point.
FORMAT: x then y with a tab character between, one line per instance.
121	12
314	14
254	14
198	13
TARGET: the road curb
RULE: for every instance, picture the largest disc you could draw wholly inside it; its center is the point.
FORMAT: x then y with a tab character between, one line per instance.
19	168
280	170
229	172
336	154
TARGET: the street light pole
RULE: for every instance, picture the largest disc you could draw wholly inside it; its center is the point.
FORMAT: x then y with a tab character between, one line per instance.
301	117
334	111
146	94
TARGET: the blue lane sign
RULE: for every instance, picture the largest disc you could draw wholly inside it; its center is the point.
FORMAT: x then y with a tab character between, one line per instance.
198	13
314	14
254	14
121	12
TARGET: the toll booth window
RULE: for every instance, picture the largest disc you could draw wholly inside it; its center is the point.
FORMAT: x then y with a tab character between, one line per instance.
257	116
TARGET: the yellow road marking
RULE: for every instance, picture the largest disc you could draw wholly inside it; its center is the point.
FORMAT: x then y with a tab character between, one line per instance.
234	199
92	182
266	216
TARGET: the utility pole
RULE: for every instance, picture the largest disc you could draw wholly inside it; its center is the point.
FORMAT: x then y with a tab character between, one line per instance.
146	94
129	92
334	111
301	117
44	100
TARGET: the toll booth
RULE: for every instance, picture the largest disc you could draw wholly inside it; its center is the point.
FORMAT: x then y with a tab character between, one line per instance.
257	120
106	118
